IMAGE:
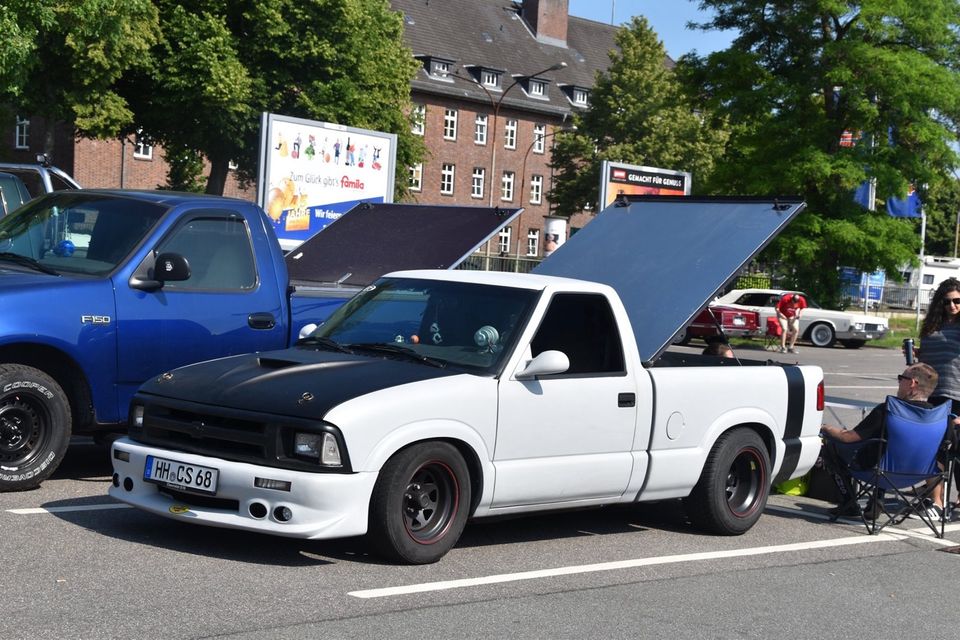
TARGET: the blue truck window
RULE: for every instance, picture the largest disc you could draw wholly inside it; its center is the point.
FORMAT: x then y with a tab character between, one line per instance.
218	251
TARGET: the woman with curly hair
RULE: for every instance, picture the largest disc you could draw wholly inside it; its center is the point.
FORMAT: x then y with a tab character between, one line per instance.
940	348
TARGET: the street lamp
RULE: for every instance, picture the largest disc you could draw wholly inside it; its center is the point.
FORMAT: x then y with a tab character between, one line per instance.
523	170
495	103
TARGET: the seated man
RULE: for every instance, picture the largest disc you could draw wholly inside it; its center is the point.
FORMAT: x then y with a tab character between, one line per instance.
914	385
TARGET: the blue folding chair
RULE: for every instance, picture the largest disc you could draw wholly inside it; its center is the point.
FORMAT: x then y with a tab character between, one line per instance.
910	465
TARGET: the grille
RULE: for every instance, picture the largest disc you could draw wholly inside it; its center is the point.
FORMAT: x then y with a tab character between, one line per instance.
872	327
208	434
228	434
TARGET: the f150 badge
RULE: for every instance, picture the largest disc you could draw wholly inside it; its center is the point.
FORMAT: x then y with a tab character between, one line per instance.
94	319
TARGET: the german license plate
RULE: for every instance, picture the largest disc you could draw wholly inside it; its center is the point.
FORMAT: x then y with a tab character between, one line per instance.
180	475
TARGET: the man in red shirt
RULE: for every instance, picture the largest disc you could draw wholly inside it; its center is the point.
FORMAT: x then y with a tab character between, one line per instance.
788	313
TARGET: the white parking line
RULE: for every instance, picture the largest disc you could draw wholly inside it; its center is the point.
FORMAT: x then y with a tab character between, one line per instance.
87	507
622	564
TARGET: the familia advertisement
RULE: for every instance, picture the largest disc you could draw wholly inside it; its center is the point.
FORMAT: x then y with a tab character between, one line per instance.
617	178
313	172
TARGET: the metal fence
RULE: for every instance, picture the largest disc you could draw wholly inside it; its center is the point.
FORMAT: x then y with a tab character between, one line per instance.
515	264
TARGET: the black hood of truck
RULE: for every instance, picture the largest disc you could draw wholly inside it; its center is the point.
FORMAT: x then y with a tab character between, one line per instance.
300	382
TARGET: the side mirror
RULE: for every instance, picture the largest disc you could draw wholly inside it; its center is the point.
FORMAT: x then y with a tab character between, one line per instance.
546	364
171	267
154	271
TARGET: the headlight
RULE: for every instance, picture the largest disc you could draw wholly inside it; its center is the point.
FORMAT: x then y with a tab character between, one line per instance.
136	416
857	326
322	447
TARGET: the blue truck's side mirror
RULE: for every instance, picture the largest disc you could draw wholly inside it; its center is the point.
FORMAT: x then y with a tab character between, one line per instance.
154	271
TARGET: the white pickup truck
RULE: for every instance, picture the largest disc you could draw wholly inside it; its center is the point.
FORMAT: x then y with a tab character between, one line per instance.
433	397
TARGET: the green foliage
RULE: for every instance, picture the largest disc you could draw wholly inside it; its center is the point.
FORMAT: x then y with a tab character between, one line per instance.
61	60
221	63
638	114
798	76
184	170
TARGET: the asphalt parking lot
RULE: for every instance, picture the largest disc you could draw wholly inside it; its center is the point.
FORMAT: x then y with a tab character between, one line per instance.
78	565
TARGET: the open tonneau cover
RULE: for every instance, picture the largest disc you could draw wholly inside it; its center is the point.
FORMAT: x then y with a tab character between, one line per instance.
373	239
668	256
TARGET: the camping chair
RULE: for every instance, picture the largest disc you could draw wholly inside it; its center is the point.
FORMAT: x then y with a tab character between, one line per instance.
771	339
908	466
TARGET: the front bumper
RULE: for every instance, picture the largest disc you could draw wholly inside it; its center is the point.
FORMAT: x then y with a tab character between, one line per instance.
323	505
863	334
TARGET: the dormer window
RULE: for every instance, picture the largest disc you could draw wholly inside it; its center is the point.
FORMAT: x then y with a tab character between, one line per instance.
490	79
538	88
438	68
581	97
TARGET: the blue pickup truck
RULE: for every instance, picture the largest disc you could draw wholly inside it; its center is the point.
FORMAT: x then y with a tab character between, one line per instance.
102	290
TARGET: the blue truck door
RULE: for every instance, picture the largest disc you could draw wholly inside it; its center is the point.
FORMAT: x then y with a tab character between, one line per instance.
230	304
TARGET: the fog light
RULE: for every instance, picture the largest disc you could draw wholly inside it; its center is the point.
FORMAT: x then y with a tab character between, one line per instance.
258	510
122	456
283	514
267	483
128	484
116	479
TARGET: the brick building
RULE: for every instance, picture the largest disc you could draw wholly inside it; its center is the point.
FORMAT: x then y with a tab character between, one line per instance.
499	80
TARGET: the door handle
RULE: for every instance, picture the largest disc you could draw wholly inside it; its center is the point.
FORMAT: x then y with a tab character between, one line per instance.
262	320
626	400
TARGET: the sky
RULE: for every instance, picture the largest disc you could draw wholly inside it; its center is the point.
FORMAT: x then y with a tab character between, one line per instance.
667	17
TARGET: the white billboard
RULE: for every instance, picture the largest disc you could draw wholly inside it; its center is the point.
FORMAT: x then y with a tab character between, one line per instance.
313	172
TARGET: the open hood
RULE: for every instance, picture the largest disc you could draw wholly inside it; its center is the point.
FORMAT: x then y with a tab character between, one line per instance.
668	256
373	239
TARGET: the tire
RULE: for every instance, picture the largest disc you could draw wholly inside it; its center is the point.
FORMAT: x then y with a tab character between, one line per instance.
822	335
685	339
733	488
420	503
853	344
34	427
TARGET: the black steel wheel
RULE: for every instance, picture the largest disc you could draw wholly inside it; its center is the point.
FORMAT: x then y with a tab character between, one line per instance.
34	427
733	488
420	503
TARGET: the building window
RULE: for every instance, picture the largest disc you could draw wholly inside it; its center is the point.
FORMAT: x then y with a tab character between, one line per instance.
416	177
503	241
476	184
510	134
142	149
446	179
449	124
419	117
539	136
506	186
533	242
580	97
480	129
537	88
440	69
21	137
536	189
490	79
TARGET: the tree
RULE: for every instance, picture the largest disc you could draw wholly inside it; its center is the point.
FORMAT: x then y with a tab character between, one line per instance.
803	74
221	63
61	60
638	114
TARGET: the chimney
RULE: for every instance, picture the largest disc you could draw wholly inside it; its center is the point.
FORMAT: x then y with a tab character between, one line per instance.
547	20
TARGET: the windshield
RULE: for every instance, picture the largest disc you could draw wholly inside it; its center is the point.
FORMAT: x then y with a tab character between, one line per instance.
75	232
459	324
